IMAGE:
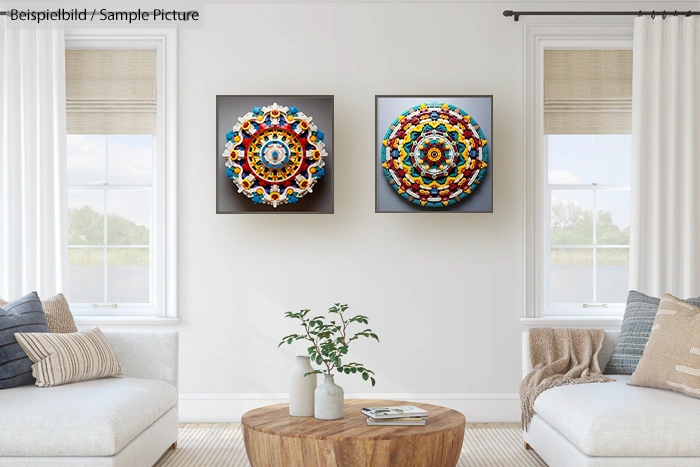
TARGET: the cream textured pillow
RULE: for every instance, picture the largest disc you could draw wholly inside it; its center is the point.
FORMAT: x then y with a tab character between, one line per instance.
58	313
67	358
671	359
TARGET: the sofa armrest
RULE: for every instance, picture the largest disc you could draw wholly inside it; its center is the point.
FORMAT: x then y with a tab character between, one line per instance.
606	350
150	355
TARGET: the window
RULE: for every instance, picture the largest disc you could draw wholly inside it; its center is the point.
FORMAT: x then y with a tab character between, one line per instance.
586	146
577	170
110	215
121	173
588	194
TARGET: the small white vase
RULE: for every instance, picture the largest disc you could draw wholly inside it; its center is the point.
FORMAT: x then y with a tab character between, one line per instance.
329	400
301	389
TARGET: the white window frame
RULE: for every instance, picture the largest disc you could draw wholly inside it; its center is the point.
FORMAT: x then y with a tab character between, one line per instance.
163	247
539	38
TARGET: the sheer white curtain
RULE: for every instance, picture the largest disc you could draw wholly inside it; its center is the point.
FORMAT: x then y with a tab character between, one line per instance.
665	223
33	209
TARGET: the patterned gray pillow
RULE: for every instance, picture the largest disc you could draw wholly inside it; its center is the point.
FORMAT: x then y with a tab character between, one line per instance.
634	335
23	315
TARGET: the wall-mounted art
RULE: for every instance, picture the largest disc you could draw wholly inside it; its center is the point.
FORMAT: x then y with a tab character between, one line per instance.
274	154
434	154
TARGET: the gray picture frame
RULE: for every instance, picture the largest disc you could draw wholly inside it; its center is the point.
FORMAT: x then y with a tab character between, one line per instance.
410	208
321	201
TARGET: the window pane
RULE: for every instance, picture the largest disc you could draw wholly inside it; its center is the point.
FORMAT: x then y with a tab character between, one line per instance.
613	219
86	275
613	155
128	275
128	217
570	159
86	159
612	281
130	159
571	277
86	217
572	217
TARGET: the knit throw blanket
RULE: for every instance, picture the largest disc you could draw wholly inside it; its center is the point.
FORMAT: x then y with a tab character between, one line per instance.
560	357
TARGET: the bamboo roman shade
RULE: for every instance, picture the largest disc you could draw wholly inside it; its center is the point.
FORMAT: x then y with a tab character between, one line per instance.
587	91
111	91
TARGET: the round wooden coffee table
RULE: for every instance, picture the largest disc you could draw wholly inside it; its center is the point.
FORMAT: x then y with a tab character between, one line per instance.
273	438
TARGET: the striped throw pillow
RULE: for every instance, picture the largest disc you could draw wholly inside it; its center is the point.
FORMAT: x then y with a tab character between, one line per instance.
636	326
58	313
23	315
68	358
671	359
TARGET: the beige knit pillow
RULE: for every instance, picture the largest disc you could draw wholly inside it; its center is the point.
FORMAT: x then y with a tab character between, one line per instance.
68	358
671	359
58	313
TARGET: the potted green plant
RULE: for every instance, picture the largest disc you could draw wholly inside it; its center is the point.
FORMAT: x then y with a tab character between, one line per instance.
330	341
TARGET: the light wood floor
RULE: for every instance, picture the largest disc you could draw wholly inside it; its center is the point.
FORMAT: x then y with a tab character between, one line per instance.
236	425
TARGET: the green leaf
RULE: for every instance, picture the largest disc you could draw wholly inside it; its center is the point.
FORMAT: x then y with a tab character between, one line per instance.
346	370
289	341
319	360
373	381
365	376
337	361
354	370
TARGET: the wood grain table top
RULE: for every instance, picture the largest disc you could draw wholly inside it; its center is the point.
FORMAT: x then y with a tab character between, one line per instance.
275	419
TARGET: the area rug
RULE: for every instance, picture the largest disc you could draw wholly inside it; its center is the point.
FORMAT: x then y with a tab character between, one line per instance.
223	447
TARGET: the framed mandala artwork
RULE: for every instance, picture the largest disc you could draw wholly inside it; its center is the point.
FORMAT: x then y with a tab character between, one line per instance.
274	154
434	154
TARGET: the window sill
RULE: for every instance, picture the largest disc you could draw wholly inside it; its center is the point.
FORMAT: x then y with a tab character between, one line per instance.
609	323
83	321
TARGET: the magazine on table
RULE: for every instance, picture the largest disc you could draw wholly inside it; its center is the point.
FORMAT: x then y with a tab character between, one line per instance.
400	411
413	421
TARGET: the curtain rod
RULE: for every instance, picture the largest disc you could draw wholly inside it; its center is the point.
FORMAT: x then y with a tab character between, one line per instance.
517	14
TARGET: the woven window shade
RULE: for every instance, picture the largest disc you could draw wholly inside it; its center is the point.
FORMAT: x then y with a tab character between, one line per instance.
587	91
111	91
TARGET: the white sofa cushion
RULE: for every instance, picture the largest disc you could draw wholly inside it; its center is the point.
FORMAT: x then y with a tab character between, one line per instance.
615	420
90	418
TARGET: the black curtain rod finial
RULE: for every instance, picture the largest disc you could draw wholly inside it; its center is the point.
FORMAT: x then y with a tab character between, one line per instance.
509	13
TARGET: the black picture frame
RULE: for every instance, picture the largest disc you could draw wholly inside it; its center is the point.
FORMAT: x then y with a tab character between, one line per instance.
410	208
321	201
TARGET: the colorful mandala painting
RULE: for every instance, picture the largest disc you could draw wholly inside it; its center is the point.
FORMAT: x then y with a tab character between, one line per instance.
275	155
434	154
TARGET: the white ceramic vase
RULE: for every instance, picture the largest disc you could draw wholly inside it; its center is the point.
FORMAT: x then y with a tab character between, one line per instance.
301	388
329	400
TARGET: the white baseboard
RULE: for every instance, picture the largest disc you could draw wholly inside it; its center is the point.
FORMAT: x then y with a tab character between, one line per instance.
229	407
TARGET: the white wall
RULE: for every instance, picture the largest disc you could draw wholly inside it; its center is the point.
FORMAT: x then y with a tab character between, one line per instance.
444	292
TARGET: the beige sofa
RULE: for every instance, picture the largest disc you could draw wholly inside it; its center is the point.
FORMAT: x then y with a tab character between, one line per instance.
612	424
127	421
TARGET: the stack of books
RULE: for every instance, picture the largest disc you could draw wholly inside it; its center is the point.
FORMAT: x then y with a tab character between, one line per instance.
403	415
